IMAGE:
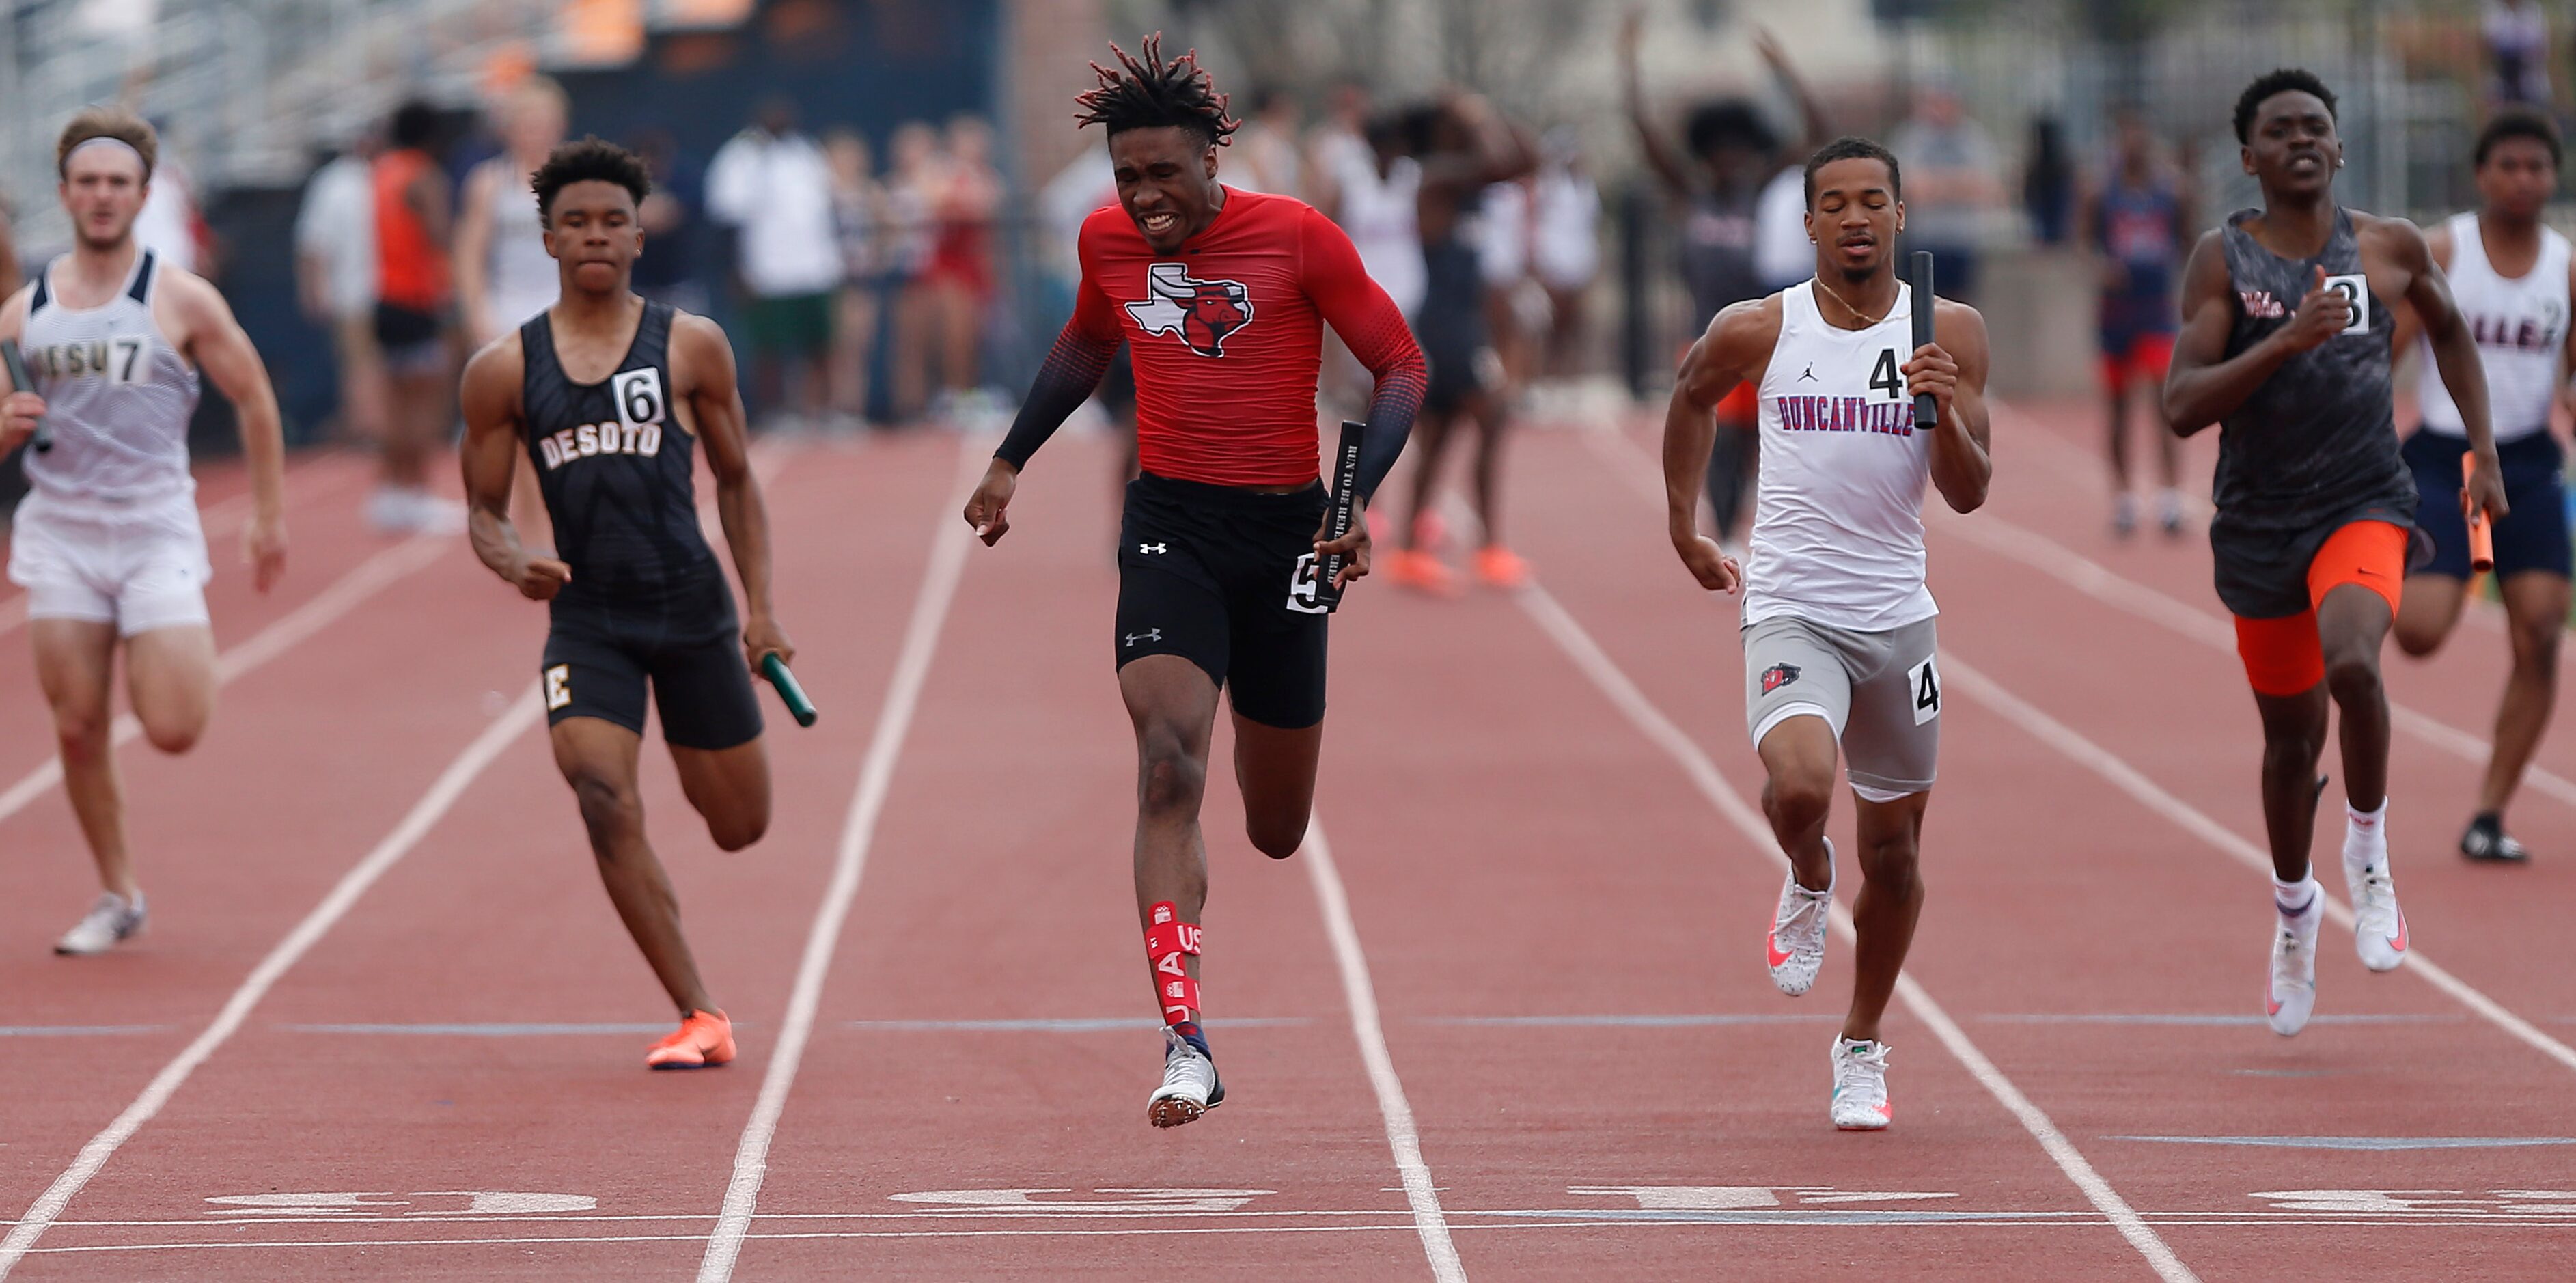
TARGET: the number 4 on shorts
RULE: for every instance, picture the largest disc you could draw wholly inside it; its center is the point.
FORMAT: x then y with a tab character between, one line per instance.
1925	681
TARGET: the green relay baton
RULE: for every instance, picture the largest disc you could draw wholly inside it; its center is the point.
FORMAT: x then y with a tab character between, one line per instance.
775	669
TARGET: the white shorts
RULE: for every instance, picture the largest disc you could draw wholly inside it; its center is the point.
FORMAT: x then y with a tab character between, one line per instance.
141	566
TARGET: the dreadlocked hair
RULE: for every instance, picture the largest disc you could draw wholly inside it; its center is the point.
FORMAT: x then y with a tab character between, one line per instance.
1145	92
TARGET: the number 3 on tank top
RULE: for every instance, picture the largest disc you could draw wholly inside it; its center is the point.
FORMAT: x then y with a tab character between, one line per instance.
639	397
1883	377
1925	681
2356	291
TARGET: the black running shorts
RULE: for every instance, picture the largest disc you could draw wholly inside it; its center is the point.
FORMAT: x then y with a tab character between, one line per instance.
1225	578
598	662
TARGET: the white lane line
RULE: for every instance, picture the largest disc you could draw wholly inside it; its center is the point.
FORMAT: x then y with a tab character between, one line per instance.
1650	721
450	785
876	776
2105	585
2128	779
1359	992
344	594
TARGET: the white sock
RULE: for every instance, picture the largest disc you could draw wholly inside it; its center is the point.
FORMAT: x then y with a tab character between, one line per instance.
2365	839
2298	901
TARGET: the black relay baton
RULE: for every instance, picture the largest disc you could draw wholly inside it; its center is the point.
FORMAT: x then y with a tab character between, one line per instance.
798	706
43	441
1344	510
1927	415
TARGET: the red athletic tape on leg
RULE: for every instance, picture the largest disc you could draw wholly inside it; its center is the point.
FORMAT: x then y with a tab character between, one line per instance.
1167	941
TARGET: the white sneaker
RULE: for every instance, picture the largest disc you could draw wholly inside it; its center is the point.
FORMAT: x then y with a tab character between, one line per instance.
1796	946
1860	1086
1190	1087
432	515
2292	995
2379	926
109	920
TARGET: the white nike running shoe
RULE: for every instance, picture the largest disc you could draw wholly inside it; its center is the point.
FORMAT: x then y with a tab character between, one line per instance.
2292	995
1190	1087
109	920
1796	945
1860	1086
2379	926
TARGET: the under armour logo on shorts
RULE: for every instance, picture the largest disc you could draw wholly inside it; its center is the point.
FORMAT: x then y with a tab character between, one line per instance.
1153	547
1150	634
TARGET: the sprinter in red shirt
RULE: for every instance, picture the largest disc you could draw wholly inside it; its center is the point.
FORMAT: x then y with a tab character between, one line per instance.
1222	296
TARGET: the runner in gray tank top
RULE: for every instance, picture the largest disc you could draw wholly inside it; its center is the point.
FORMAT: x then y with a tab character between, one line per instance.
107	543
2286	344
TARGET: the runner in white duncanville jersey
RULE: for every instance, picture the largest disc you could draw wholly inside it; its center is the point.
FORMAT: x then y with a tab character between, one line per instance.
107	542
2514	284
1838	622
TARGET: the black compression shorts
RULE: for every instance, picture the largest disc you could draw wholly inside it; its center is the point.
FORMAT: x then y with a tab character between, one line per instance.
597	664
1225	579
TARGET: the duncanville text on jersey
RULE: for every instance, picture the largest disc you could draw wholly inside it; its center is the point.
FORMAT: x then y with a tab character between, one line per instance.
1845	414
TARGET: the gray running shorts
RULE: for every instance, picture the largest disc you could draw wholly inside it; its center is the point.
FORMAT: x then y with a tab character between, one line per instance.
1881	692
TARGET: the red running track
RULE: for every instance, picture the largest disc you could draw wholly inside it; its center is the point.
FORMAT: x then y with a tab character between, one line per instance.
1535	805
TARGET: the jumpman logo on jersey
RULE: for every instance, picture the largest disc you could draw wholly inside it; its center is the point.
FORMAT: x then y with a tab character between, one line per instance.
1810	375
1150	634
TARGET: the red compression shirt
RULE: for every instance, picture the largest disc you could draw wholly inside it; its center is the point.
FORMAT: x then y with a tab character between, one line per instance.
1226	335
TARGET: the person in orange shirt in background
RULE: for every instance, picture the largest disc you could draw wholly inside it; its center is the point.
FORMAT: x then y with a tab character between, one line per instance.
414	316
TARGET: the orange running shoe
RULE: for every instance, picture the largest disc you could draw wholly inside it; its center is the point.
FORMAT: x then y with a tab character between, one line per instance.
703	1041
1500	567
1420	571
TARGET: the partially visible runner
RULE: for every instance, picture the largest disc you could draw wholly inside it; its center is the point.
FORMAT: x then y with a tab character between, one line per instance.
1839	634
1463	146
503	273
415	314
107	541
1732	162
2287	323
1221	295
606	392
2134	219
2515	284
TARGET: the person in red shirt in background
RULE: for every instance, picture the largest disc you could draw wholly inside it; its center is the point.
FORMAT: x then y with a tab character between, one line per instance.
414	312
1221	296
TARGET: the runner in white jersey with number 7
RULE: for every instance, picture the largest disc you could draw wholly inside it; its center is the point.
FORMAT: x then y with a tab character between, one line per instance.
1838	623
107	542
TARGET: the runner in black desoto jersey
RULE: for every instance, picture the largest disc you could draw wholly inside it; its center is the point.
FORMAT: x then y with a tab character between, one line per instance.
606	393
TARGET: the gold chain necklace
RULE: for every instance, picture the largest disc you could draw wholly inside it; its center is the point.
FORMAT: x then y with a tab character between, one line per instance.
1865	319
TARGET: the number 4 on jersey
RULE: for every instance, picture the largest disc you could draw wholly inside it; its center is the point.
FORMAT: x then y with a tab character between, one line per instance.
1883	376
1925	681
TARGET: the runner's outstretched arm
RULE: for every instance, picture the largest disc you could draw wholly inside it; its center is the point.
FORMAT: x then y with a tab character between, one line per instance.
1072	370
490	459
1359	310
225	354
1736	348
715	402
2455	355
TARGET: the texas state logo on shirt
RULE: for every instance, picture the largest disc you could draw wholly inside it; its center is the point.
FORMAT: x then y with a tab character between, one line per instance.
1200	313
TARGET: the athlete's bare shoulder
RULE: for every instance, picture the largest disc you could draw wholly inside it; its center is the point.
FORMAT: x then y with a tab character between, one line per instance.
500	365
1750	328
701	353
13	312
189	298
2390	239
1956	325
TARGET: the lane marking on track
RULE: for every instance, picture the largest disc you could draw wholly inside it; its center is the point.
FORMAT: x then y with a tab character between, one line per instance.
2360	1142
939	579
74	1031
1076	1025
1625	1022
2128	779
2074	569
491	1030
1359	992
1623	694
2140	1018
443	793
343	595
